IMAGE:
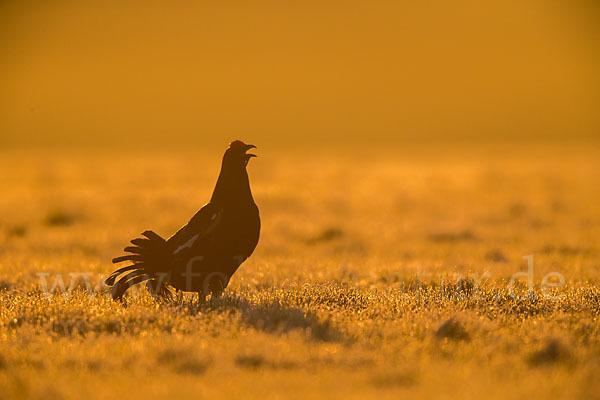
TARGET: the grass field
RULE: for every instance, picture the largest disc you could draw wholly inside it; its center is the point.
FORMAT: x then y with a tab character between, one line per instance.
369	279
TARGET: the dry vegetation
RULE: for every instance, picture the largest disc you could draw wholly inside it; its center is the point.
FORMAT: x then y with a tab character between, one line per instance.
364	282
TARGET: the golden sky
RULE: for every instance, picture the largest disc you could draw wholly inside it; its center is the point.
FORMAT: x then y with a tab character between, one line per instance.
190	72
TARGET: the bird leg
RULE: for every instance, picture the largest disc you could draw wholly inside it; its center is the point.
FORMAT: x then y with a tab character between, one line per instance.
201	298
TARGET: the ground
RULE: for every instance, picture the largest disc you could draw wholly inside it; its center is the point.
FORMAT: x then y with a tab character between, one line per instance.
378	274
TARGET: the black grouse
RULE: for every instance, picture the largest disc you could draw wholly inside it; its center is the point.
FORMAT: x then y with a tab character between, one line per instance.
203	255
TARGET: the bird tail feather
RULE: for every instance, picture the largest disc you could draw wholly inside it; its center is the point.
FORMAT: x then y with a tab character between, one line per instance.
144	253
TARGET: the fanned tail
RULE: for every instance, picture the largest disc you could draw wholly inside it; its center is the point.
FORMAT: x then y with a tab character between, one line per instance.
145	252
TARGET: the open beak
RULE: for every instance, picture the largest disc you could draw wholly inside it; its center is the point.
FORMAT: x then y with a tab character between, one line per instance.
248	147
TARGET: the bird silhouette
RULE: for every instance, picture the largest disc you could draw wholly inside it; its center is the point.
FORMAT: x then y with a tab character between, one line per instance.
203	255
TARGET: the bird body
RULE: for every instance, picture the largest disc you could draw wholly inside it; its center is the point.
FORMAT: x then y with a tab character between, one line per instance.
204	254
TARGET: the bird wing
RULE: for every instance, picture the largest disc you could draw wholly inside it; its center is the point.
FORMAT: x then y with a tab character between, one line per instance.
200	226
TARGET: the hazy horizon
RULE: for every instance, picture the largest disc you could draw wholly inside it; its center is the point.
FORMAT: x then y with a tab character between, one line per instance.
388	72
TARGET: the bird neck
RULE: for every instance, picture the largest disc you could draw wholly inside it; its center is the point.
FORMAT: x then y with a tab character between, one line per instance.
233	186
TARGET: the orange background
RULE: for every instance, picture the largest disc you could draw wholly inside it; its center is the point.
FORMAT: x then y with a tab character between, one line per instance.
304	73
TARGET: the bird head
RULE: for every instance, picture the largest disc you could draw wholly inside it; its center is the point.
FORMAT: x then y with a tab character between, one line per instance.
237	152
